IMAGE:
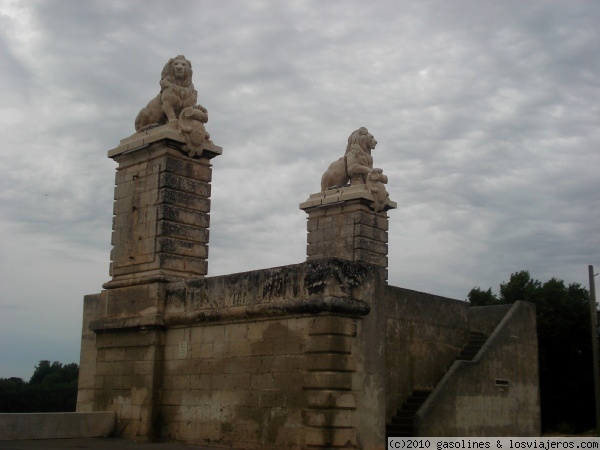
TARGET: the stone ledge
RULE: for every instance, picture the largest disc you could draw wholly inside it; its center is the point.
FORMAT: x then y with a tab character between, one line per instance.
132	322
337	196
345	306
56	425
165	132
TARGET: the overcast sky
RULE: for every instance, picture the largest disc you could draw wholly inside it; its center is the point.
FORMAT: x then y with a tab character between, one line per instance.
487	116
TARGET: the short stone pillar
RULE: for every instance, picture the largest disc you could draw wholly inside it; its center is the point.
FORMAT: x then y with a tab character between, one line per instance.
343	224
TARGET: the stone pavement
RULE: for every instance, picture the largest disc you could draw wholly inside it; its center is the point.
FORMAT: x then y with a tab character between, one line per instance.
96	444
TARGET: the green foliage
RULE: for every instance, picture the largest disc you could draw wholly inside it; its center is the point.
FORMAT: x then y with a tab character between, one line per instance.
564	345
52	388
477	297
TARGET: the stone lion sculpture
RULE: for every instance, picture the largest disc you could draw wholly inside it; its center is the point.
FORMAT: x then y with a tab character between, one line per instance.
355	165
176	93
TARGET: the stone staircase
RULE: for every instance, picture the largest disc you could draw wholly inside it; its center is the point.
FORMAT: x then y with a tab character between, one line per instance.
402	423
476	341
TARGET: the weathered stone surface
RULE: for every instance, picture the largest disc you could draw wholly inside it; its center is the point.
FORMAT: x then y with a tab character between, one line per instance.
56	425
162	206
349	230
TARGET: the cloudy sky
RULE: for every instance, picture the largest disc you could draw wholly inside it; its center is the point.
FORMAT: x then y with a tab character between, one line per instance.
487	116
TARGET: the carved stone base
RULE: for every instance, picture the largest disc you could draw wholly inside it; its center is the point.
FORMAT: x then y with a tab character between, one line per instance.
357	192
342	224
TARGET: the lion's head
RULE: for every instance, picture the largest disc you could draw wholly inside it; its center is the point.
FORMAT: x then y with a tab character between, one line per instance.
363	139
178	71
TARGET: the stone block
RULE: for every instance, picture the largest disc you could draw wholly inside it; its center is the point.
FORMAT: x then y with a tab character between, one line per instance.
171	397
236	332
370	258
372	233
294	363
186	265
56	425
214	333
371	246
237	349
330	399
196	169
289	346
183	199
181	247
330	362
329	344
271	398
200	351
328	418
329	380
181	183
331	437
261	381
175	213
332	325
178	230
254	330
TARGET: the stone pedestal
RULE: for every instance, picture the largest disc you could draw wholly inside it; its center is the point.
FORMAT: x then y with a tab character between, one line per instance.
343	224
161	210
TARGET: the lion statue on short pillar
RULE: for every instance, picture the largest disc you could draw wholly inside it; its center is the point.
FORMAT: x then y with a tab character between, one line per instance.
176	93
355	165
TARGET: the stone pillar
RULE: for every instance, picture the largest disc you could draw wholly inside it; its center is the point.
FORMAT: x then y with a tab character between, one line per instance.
343	224
160	235
161	209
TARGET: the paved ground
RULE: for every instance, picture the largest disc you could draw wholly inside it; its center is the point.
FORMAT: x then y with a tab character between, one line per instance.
95	444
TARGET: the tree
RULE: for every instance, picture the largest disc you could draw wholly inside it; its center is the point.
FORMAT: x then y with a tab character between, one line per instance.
477	297
46	373
564	345
52	388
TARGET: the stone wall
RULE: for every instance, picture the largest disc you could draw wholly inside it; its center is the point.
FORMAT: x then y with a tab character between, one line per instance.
316	354
424	335
496	394
276	358
92	305
65	425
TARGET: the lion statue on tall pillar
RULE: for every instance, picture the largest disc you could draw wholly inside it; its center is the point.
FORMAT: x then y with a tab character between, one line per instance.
176	93
355	165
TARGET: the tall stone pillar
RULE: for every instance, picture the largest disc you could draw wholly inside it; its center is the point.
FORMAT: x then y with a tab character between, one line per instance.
160	235
348	221
161	210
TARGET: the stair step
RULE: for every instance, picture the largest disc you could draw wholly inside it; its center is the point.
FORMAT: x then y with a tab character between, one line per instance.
470	346
411	407
400	434
402	413
476	333
401	424
405	421
402	431
421	393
